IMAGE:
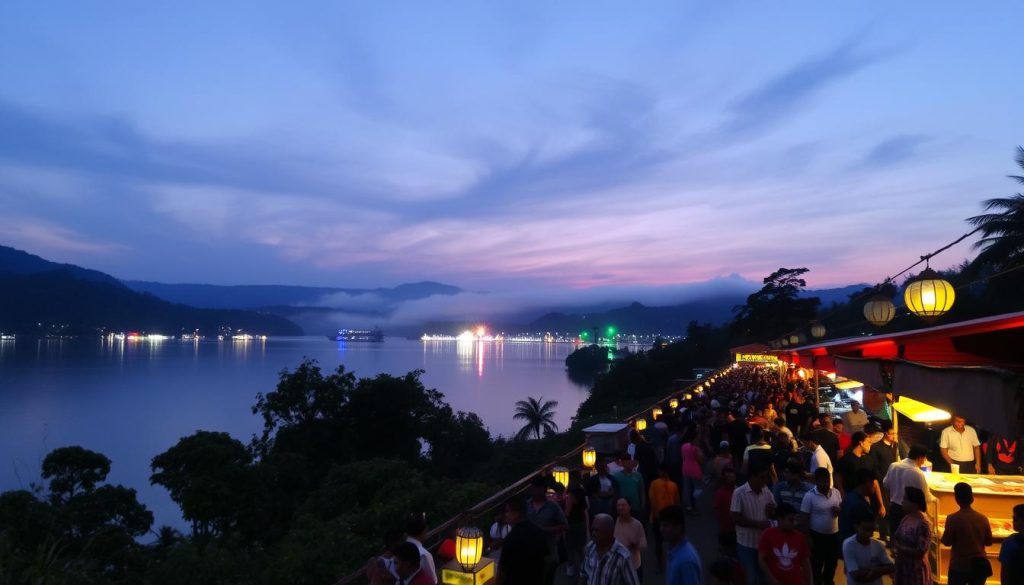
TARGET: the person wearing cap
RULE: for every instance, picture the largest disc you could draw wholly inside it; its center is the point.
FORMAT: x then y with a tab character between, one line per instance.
959	445
855	419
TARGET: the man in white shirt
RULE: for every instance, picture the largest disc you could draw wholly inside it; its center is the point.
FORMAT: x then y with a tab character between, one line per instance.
865	558
959	445
819	458
821	504
855	419
901	475
752	505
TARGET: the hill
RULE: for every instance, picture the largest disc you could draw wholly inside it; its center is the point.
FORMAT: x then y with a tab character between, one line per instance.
43	297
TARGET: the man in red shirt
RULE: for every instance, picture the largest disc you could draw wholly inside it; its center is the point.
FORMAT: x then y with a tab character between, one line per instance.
783	552
721	504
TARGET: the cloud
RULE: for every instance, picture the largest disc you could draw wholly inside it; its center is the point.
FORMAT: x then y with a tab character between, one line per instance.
893	150
42	237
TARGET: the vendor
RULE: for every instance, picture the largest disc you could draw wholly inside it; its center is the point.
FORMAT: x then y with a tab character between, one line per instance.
959	445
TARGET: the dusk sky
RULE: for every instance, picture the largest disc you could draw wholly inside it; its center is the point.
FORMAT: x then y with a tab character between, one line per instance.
503	145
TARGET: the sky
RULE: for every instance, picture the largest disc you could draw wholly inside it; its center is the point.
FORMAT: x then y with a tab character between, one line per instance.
509	146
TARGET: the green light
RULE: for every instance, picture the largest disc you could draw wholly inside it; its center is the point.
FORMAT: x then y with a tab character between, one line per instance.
583	334
611	331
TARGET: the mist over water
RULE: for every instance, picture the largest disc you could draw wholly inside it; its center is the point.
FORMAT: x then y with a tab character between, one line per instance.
132	401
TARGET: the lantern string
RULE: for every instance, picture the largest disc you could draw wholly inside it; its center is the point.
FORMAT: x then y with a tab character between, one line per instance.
888	279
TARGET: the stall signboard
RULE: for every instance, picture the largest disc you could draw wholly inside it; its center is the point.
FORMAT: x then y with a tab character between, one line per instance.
756	358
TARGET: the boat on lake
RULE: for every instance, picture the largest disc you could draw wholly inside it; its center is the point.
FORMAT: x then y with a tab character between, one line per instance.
361	335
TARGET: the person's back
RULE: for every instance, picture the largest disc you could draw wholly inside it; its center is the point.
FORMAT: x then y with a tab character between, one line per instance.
1011	552
967	533
524	549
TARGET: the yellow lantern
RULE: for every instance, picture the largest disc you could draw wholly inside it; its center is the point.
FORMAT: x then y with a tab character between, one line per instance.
469	547
794	340
929	296
817	330
879	311
656	412
561	475
589	457
673	403
640	424
688	397
785	342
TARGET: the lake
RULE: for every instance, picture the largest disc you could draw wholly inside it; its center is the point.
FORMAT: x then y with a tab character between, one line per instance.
131	400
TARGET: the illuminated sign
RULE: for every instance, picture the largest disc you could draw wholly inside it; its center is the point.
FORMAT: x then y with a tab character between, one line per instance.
456	576
759	358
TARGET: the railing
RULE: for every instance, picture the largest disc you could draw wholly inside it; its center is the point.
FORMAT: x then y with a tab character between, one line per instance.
487	506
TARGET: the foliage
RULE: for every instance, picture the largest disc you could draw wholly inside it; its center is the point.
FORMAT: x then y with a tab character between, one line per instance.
539	417
1002	230
777	308
586	362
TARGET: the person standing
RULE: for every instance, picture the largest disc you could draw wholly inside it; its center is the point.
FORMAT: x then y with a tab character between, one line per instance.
1005	455
1011	552
693	470
684	566
663	493
416	531
825	436
524	550
819	459
751	507
606	561
856	460
602	490
783	554
855	419
631	485
579	524
959	445
549	517
864	558
906	473
792	490
911	541
407	564
631	534
822	505
883	454
721	506
856	503
967	533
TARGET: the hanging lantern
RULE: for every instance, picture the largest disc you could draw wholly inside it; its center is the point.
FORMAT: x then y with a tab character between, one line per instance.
656	412
879	311
673	403
589	457
561	475
817	330
688	397
794	340
640	424
469	547
929	296
785	342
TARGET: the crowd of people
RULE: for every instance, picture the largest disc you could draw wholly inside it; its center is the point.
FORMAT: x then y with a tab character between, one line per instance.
794	492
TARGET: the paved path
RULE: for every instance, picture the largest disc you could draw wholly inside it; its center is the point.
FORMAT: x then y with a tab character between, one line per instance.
703	533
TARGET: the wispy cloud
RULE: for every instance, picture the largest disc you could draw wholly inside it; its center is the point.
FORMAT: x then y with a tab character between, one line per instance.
893	150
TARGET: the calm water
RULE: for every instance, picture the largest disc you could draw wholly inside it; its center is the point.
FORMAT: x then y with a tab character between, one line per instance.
133	400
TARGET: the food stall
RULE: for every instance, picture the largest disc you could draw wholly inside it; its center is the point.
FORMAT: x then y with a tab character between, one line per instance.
994	496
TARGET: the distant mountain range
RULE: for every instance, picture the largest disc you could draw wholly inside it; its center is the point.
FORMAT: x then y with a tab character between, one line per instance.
46	298
36	291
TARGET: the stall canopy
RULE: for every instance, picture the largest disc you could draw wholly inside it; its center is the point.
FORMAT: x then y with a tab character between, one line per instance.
972	367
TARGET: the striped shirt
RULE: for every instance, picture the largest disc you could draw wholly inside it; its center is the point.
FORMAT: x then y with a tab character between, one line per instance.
752	506
612	568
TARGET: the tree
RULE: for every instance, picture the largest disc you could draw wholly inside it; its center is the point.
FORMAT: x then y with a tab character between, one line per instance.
539	417
73	470
776	309
1002	230
207	475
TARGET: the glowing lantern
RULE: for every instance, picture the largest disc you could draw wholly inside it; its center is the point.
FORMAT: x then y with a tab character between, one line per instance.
561	475
656	412
688	397
879	311
929	296
817	330
589	457
794	340
673	403
469	547
785	342
640	424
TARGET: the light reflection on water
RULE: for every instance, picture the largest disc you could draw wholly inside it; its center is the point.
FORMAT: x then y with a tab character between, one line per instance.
133	399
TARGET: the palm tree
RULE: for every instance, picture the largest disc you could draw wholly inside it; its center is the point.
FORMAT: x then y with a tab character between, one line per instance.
539	417
1002	242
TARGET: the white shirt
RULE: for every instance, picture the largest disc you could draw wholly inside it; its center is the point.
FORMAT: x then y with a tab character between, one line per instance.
855	421
426	559
752	506
819	507
902	474
961	445
859	556
820	459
